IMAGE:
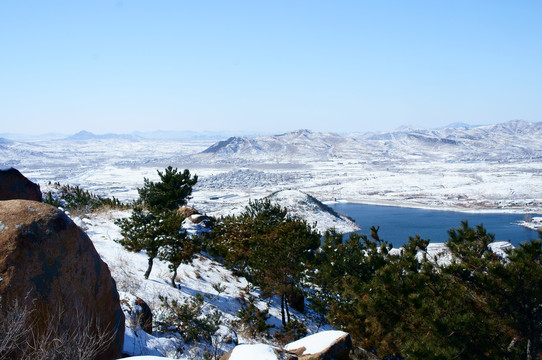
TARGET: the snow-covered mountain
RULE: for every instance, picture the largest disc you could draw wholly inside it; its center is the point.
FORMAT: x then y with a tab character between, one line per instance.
515	139
296	146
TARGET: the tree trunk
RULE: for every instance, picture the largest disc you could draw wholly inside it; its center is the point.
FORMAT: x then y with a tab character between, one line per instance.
282	309
286	306
173	279
148	272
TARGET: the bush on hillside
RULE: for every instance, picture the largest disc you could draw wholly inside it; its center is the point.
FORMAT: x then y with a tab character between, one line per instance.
74	198
188	318
252	321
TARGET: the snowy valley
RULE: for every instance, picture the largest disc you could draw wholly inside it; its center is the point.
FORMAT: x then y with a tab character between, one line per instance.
496	167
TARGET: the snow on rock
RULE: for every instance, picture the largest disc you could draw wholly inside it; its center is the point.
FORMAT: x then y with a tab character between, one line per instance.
318	342
535	223
196	225
252	352
441	255
501	247
325	344
312	210
80	223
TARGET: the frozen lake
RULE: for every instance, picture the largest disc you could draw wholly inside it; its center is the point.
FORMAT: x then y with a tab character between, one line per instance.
398	223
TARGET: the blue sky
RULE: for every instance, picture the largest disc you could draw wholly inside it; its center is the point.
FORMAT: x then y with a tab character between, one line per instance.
267	66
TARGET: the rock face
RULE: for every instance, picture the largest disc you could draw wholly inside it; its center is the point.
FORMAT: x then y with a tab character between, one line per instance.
13	185
51	265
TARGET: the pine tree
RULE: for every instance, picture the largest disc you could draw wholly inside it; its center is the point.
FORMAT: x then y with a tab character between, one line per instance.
177	247
281	255
517	287
172	191
269	246
155	224
142	231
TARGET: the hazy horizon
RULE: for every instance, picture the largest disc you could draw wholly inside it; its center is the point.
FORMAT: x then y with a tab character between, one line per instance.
233	132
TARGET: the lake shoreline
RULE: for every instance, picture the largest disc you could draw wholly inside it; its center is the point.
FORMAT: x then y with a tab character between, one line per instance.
397	223
459	209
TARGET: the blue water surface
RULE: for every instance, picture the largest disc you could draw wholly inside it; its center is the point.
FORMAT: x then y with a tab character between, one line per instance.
398	223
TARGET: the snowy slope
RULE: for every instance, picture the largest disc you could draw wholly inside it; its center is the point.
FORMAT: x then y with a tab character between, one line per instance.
310	209
202	276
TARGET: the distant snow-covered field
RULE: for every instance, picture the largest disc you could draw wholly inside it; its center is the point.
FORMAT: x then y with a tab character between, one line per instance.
496	167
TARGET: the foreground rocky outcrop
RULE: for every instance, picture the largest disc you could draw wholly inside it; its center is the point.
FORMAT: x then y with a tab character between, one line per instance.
14	185
195	224
325	345
50	265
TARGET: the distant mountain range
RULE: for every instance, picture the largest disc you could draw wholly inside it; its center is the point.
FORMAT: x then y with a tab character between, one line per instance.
86	135
134	136
512	140
515	139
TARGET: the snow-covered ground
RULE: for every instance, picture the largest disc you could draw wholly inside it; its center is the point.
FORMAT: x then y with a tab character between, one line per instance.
226	188
204	276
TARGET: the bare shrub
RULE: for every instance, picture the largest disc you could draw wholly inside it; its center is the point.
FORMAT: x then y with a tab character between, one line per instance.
13	329
28	333
125	278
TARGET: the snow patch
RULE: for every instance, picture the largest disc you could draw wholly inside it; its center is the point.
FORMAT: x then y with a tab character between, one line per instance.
139	342
254	351
79	222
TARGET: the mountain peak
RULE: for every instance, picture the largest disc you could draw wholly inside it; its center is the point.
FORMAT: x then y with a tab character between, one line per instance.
87	135
82	135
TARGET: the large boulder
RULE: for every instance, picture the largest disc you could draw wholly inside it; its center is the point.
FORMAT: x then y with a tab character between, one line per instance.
325	345
13	185
186	211
50	265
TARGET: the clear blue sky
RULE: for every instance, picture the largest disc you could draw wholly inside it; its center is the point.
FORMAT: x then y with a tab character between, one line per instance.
269	66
